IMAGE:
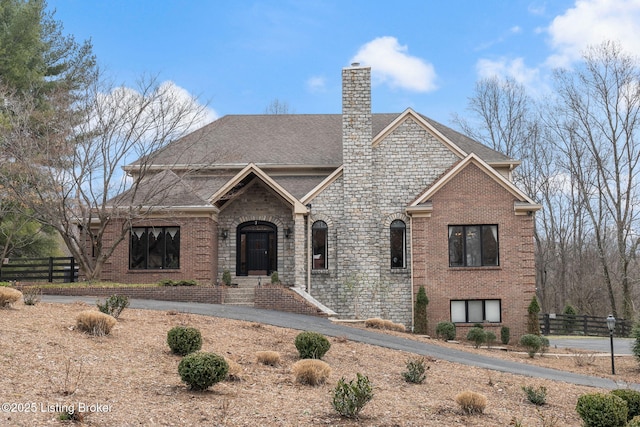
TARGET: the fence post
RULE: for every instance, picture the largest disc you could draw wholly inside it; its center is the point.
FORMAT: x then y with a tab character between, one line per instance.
585	327
73	270
50	269
546	328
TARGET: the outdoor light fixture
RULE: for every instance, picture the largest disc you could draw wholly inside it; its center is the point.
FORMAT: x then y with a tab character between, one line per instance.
611	324
225	233
287	232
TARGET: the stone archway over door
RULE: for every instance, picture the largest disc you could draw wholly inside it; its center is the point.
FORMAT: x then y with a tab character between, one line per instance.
256	253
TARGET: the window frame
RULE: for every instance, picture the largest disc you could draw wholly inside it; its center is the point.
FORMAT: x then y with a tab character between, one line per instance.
466	245
484	310
393	252
143	264
320	263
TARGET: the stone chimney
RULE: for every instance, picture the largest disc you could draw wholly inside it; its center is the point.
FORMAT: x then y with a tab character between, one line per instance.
358	232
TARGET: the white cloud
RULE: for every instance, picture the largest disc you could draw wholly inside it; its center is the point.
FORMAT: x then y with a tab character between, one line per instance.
514	68
391	64
590	22
316	84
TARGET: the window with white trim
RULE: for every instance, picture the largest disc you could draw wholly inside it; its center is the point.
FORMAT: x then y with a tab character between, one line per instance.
476	311
473	245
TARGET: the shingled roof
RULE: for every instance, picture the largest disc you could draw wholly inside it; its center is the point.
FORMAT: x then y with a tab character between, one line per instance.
313	140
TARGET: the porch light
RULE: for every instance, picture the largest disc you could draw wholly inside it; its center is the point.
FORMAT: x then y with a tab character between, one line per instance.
225	233
287	232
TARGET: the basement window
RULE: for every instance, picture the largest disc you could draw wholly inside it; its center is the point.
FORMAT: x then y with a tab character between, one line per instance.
476	311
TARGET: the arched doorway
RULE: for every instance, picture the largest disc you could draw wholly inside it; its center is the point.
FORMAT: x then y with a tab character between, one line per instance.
256	249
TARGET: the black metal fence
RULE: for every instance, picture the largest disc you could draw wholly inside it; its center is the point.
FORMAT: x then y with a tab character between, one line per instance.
561	324
52	269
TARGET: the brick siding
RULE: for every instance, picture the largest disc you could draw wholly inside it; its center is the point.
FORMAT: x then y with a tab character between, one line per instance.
470	198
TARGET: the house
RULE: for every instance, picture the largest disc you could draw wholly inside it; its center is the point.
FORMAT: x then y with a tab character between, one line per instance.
357	210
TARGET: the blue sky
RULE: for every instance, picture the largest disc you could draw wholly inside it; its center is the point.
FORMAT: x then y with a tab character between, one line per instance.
239	56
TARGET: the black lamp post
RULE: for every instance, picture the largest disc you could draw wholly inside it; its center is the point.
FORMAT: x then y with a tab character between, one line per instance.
611	324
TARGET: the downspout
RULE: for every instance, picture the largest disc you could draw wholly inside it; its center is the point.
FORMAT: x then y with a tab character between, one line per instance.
309	255
412	263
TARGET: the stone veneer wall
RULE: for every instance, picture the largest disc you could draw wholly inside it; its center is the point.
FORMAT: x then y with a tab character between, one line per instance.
474	198
260	203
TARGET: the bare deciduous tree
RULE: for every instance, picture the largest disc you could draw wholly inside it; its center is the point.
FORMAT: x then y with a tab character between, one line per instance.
69	168
595	125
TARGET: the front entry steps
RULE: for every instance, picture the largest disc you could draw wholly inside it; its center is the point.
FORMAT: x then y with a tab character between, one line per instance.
242	291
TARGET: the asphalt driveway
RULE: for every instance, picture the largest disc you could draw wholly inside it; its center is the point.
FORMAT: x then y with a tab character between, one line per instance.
329	328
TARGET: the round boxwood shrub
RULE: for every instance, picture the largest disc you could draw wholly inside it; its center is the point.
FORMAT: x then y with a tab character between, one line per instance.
183	340
632	397
312	345
505	335
200	370
477	335
602	410
446	331
634	422
532	343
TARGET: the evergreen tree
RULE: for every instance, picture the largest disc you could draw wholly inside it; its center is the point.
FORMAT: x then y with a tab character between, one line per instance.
420	313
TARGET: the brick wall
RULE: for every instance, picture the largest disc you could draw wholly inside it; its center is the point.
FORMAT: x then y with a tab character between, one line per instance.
202	294
198	252
276	297
474	198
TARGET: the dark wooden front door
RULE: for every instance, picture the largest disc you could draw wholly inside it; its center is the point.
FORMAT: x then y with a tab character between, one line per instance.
258	253
256	249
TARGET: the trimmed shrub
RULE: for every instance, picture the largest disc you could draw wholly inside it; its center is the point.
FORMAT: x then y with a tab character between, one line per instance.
632	397
477	335
416	370
635	334
271	358
183	340
311	371
374	322
201	370
8	296
420	324
169	282
532	343
234	372
378	323
95	322
226	277
544	345
537	396
602	410
471	402
634	422
350	398
505	335
312	345
275	278
490	338
446	331
31	295
114	305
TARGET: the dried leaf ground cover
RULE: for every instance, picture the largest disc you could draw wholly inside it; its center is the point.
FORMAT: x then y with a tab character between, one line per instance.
130	378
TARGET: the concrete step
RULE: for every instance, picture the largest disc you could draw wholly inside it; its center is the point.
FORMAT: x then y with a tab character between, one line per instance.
240	296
